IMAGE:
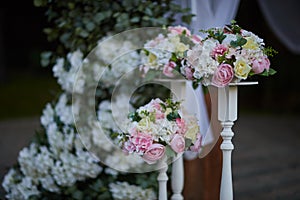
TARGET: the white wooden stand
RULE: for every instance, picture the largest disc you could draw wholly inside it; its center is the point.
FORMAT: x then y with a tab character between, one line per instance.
162	180
227	114
178	89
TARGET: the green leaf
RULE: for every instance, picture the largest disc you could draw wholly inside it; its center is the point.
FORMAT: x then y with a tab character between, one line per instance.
173	116
135	19
169	152
40	3
84	33
90	26
272	71
134	116
268	73
188	142
148	12
240	41
45	58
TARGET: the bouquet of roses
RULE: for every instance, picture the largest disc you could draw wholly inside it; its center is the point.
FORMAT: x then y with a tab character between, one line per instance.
157	130
166	52
228	54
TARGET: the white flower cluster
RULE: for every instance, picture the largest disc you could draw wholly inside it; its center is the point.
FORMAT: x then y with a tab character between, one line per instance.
18	189
63	160
67	77
118	59
62	163
200	58
124	191
111	59
161	48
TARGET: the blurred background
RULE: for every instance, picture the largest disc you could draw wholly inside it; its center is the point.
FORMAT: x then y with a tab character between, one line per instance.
269	112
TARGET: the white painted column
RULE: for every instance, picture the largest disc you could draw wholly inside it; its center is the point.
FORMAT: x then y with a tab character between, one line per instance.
177	179
178	88
162	180
227	114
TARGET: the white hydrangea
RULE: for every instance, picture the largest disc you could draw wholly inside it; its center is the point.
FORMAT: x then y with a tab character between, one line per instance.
202	61
250	34
125	191
67	78
122	162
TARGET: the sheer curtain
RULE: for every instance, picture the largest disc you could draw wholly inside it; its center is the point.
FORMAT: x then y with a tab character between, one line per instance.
283	18
208	14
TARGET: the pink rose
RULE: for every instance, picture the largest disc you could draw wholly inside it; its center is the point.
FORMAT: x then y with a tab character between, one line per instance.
181	125
197	145
128	147
178	143
156	103
196	39
155	152
259	65
219	50
159	114
156	41
144	69
179	30
223	75
168	69
189	73
141	142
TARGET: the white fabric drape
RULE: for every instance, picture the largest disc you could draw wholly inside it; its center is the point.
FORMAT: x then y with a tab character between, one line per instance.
209	13
283	18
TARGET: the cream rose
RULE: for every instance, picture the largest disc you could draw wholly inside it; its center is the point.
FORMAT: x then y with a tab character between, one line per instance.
251	44
241	68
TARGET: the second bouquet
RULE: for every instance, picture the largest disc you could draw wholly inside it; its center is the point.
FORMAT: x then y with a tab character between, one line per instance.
158	130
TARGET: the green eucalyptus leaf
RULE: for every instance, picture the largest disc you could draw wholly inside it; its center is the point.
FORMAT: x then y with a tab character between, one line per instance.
90	26
169	152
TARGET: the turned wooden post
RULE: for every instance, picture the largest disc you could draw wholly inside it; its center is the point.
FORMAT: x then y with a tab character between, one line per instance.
178	89
227	114
162	180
